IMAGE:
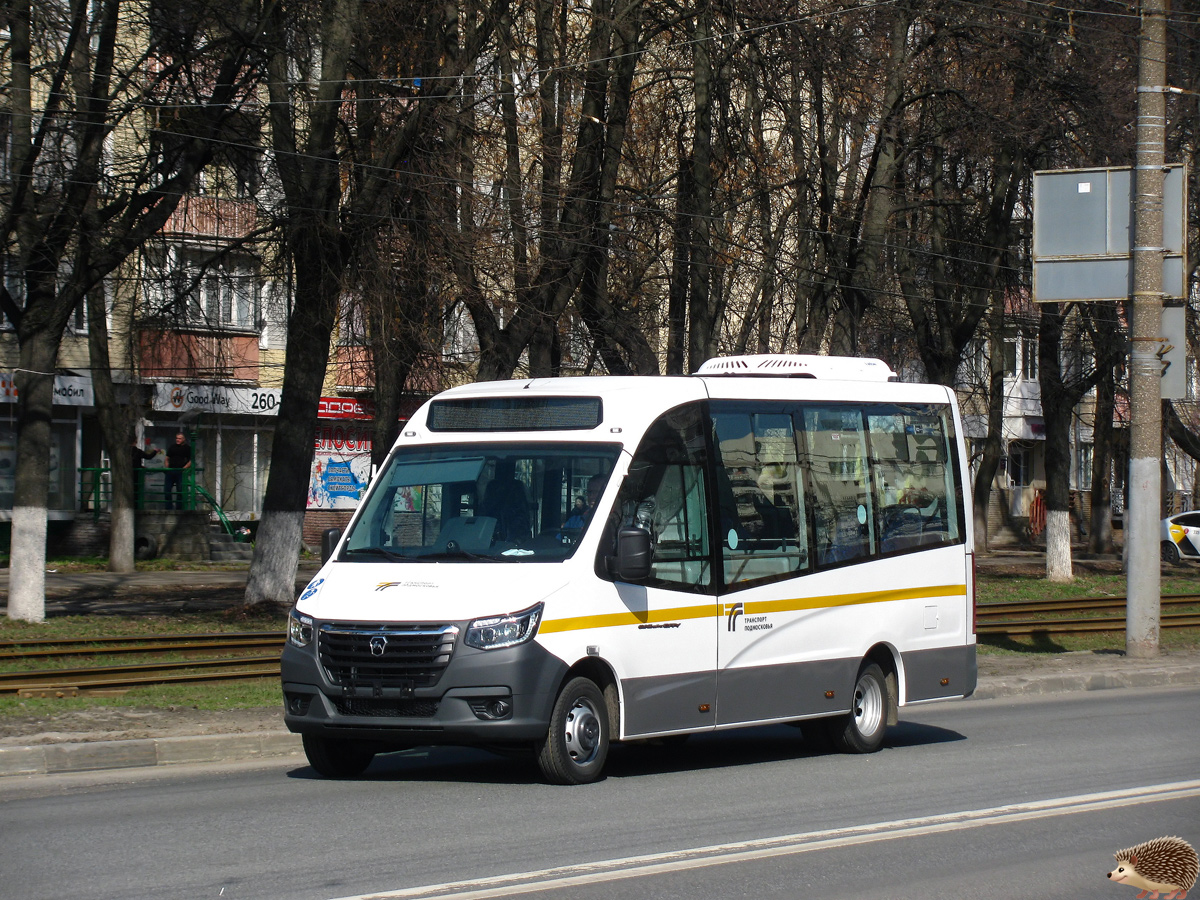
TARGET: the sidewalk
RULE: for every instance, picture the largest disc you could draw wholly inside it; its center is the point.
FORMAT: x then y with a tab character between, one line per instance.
228	739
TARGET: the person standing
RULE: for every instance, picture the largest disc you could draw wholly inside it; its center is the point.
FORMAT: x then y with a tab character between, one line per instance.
138	457
179	457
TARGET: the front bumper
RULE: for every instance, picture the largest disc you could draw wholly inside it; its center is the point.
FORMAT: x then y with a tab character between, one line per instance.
456	710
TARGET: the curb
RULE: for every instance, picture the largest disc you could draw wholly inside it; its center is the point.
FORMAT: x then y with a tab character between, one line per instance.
1056	683
56	759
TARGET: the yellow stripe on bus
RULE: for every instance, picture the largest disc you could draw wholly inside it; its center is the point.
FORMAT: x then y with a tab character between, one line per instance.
710	610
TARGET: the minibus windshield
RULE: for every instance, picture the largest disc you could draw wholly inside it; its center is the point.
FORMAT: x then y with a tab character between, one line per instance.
503	502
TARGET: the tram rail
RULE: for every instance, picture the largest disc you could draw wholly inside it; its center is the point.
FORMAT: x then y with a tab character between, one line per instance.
244	655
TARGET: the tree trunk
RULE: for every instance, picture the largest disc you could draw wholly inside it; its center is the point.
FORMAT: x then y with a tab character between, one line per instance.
1100	536
27	563
993	447
1057	410
701	320
116	426
280	534
1058	546
681	237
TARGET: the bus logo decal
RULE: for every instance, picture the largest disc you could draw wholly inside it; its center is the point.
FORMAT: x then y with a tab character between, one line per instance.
378	645
734	611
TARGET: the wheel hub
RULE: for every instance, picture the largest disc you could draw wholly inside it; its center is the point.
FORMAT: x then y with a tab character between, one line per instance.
582	732
868	706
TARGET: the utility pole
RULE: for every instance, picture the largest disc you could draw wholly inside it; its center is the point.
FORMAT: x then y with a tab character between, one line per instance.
1143	503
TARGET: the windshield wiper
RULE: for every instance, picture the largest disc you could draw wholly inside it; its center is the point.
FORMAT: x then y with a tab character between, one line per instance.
455	551
379	551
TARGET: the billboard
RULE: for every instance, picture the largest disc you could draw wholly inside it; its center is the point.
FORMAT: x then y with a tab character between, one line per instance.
341	465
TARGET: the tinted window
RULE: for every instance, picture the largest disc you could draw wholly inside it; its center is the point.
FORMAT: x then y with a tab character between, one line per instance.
760	491
511	502
666	490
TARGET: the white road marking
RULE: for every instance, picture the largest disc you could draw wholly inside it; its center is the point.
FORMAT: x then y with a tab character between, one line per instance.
764	848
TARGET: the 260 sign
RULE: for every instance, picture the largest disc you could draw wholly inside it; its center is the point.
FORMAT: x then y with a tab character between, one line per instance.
263	402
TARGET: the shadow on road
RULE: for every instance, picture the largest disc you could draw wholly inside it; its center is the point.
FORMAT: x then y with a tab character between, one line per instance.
636	759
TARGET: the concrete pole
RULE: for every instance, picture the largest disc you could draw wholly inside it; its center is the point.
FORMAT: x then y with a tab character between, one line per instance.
1142	505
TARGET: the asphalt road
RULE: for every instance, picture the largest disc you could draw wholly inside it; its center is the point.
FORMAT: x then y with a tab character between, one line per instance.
996	799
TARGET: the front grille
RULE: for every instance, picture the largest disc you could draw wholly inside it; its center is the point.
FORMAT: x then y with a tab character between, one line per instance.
392	709
385	656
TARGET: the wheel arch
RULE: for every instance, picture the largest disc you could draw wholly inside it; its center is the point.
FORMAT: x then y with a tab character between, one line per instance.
602	675
888	659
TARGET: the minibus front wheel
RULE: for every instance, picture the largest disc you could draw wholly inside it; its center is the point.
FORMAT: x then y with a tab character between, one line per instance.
335	758
576	743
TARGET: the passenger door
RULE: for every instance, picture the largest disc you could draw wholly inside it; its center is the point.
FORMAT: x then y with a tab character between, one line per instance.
764	546
669	663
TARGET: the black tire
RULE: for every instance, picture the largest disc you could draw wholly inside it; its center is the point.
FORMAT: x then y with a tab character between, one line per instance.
1170	553
576	743
862	730
338	759
145	547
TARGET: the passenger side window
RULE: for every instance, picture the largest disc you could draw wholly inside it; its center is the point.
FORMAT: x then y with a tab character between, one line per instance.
843	507
763	528
666	491
913	448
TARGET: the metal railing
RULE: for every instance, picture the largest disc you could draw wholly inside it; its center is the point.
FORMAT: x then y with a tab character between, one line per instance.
154	489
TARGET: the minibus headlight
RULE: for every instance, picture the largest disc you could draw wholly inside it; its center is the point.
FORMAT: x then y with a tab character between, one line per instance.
300	629
504	631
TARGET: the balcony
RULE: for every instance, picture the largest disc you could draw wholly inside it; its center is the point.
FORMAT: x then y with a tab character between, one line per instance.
170	355
211	217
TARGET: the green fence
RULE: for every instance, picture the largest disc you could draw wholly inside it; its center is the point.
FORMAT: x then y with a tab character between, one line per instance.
152	490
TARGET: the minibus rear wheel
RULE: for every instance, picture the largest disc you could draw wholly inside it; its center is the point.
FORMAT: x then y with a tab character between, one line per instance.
576	743
335	758
861	731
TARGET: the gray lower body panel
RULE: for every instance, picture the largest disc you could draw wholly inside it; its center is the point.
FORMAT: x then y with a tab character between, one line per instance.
526	677
669	703
734	696
942	672
790	691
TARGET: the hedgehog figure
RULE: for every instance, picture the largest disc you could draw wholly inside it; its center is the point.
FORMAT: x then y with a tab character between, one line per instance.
1166	865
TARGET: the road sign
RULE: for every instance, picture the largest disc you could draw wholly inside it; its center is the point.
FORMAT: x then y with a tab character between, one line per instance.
1083	234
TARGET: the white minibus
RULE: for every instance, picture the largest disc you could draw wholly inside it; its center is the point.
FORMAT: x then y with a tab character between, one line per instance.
563	563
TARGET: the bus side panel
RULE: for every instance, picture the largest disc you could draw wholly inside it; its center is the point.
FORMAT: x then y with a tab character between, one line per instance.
939	673
790	691
774	637
662	703
661	645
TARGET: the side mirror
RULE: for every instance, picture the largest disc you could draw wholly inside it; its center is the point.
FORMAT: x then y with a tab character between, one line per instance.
635	553
329	542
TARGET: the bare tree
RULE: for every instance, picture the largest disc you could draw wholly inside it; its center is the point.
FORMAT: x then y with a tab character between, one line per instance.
89	186
336	182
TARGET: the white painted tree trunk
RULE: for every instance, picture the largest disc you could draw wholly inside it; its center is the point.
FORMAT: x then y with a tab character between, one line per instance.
1058	546
120	544
27	565
277	546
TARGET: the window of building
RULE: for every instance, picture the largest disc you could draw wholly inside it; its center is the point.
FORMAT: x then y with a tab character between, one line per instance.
1083	467
1021	357
221	293
1020	464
